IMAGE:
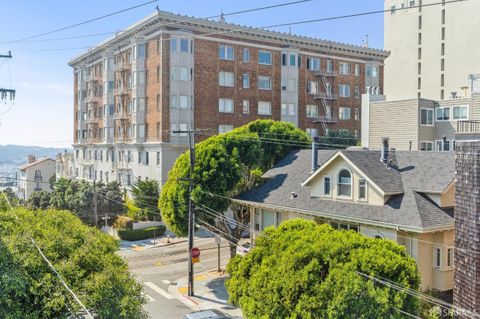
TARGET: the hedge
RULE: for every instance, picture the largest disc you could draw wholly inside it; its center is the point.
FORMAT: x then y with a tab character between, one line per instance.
139	234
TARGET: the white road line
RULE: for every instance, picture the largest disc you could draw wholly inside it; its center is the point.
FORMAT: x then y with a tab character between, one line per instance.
149	298
159	290
166	282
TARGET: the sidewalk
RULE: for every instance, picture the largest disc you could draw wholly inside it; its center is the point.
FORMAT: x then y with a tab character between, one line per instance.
210	293
168	238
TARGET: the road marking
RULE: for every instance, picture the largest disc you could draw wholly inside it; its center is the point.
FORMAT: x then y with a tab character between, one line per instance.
166	282
149	298
158	290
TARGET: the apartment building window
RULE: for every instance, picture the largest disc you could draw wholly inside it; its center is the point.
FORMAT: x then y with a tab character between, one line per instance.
173	73
344	187
158	74
173	101
442	64
129	156
225	52
246	55
442	94
158	158
426	146
293	60
330	66
312	111
147	161
264	82
419	68
226	78
246	81
419	38
419	22
460	113
146	130
449	258
312	132
441	145
443	33
225	105
344	68
426	117
141	51
264	108
419	84
264	57
288	109
185	74
246	106
141	130
442	79
443	16
356	114
327	189
223	128
371	71
437	257
344	113
443	114
357	69
139	154
184	102
412	3
344	90
442	49
312	87
158	102
313	64
184	45
158	129
357	92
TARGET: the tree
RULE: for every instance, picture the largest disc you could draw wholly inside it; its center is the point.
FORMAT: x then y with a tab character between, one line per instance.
305	270
145	196
225	166
8	199
83	256
340	138
39	200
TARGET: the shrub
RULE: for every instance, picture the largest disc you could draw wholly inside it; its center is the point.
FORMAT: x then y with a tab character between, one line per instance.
124	223
139	234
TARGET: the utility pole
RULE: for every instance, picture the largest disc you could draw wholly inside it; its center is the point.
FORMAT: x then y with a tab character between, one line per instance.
191	214
95	204
4	93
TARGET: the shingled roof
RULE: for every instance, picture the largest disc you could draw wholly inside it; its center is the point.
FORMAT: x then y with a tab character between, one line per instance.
413	174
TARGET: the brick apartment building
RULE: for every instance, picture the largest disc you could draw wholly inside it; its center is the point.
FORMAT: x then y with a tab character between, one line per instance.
169	72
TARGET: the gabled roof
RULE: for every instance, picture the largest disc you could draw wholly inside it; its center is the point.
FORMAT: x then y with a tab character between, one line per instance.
412	210
36	162
368	163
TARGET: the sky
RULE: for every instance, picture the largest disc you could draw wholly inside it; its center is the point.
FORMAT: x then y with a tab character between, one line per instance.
42	113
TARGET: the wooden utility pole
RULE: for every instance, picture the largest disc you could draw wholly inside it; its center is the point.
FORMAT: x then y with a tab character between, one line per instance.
7	93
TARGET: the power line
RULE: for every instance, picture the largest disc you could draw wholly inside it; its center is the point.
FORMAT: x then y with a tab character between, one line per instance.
80	23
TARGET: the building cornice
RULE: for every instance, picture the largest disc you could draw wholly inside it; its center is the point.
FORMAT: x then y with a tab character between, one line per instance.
161	20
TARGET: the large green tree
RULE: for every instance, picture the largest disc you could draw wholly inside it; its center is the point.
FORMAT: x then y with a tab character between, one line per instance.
225	166
145	196
83	256
305	270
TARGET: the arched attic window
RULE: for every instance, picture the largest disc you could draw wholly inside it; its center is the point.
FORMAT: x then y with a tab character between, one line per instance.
344	183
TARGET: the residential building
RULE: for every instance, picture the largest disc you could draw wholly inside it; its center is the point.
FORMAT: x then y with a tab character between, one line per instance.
418	123
433	48
35	176
65	165
169	72
398	195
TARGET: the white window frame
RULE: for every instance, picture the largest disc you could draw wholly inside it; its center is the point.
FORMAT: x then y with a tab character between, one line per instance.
185	74
357	69
267	52
314	64
449	252
342	90
341	113
246	106
437	257
366	190
246	81
226	78
264	78
245	55
224	128
265	103
344	68
442	108
460	119
223	50
222	105
428	110
325	194
338	184
426	143
312	114
440	145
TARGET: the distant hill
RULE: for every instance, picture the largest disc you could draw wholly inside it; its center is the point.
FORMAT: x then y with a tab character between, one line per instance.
17	154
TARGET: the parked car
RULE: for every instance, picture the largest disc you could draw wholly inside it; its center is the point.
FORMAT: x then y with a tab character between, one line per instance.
244	246
207	314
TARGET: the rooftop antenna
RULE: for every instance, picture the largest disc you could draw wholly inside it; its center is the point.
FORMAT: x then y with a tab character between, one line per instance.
365	43
222	16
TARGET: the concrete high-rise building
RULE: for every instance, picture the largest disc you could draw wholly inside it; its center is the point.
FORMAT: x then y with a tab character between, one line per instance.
433	48
170	72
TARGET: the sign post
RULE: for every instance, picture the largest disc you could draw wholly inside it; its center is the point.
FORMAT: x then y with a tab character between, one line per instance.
218	240
195	255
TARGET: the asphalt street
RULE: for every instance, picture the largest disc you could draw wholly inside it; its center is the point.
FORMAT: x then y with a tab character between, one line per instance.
156	268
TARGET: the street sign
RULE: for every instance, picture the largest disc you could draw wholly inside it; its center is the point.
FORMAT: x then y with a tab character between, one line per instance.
195	252
218	239
195	260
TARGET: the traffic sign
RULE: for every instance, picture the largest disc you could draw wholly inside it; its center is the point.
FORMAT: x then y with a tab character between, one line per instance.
195	260
218	239
195	252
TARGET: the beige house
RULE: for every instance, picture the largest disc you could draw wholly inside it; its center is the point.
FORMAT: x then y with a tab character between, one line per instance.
401	196
35	176
419	124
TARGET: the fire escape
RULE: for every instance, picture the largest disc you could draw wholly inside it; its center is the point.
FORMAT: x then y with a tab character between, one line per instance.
326	97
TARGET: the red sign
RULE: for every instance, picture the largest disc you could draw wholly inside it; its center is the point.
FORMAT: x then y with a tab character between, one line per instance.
195	252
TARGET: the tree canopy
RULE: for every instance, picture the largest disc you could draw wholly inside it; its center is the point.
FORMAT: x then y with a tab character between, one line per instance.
226	165
145	197
83	256
305	270
340	138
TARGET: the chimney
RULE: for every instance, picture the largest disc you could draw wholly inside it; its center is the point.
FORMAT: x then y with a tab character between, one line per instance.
30	159
384	156
314	154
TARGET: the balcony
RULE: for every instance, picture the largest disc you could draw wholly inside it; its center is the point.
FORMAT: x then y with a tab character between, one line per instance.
120	67
121	91
326	119
326	73
120	116
325	96
468	127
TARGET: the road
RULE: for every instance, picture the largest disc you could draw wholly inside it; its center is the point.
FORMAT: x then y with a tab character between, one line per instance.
157	268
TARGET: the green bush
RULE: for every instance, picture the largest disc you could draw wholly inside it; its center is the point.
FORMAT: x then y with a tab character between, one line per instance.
123	222
139	234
